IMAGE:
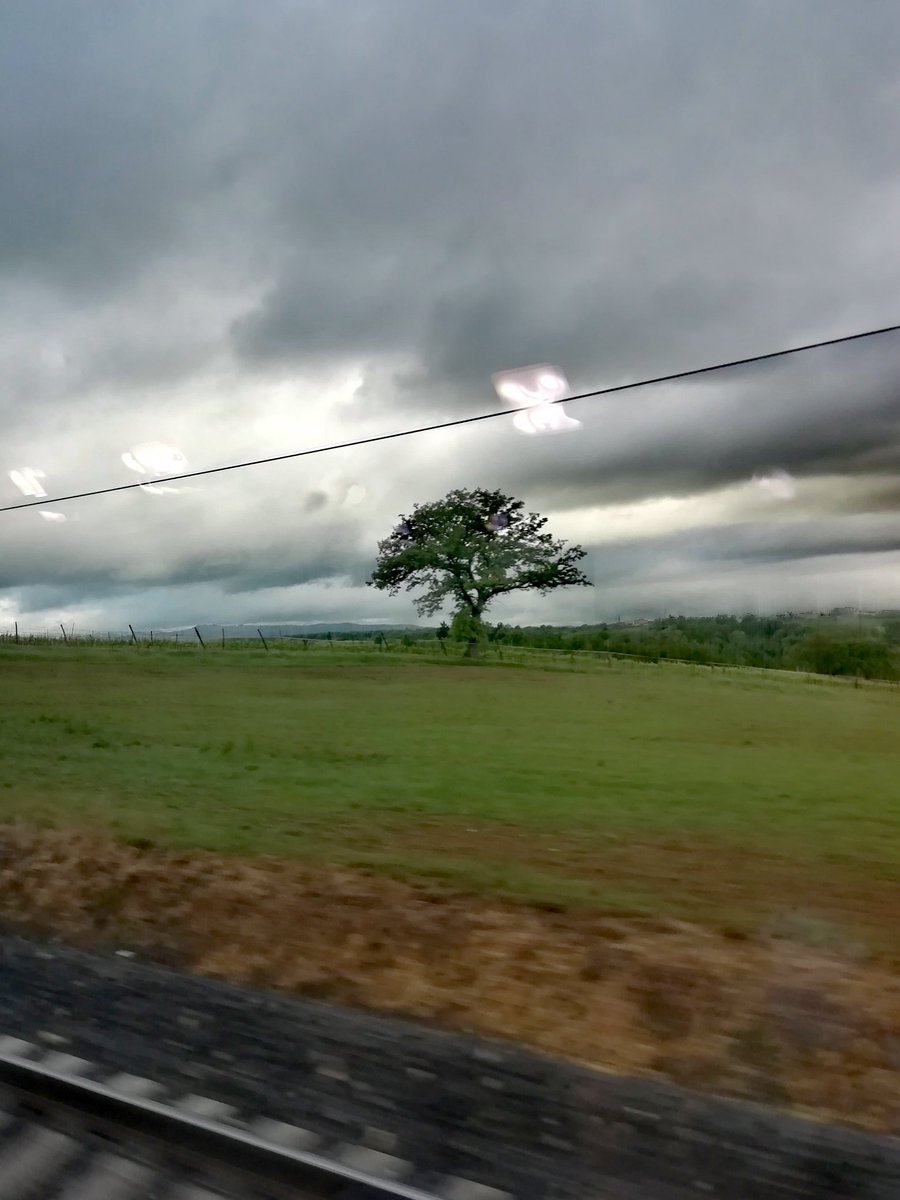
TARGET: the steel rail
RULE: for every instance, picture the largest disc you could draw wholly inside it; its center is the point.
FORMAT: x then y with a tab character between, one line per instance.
98	1107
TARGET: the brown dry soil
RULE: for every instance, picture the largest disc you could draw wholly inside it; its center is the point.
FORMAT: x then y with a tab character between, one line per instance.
702	874
766	1018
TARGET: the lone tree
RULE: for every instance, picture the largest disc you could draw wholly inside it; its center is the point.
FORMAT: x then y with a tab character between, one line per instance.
468	548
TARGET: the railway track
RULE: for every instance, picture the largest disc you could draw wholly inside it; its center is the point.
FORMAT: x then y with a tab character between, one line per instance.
71	1131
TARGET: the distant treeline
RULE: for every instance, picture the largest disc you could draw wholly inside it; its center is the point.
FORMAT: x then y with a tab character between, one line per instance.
870	649
866	646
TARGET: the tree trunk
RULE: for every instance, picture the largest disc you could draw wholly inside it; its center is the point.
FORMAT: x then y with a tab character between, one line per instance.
474	647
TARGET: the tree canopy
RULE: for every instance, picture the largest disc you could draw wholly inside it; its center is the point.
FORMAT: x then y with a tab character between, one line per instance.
471	547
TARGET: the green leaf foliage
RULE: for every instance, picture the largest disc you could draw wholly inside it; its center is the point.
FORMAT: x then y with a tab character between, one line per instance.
471	547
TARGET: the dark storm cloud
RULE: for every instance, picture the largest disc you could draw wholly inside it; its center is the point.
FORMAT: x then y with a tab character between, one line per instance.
212	190
277	556
759	542
103	132
474	185
617	188
829	412
471	185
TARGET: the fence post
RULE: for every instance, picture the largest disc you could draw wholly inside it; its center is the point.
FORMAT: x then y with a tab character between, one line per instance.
199	638
63	628
17	632
223	637
151	635
133	634
263	640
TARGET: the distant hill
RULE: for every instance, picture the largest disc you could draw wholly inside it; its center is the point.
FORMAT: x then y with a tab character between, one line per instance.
337	627
291	629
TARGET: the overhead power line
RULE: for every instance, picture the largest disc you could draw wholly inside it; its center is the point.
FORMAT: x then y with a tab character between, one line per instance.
490	416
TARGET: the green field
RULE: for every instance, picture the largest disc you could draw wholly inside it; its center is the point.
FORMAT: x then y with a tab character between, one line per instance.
728	796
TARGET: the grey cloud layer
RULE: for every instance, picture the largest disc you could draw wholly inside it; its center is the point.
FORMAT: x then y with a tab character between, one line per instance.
212	191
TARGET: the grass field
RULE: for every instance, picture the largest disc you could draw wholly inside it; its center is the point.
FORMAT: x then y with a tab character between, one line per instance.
727	797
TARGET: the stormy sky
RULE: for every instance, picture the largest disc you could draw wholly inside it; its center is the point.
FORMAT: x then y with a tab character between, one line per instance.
244	229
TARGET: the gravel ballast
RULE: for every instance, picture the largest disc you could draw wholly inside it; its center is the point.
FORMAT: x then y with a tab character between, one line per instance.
509	1118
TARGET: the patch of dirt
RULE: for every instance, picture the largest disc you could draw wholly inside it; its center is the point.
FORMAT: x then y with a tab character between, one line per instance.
692	873
767	1019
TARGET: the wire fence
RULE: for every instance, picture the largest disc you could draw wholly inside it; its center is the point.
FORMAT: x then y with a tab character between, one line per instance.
203	636
400	644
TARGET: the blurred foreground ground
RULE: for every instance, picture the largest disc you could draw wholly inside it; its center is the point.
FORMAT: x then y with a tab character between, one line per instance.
769	1017
659	870
739	800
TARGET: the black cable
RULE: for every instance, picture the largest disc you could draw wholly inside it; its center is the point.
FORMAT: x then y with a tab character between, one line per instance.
506	412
